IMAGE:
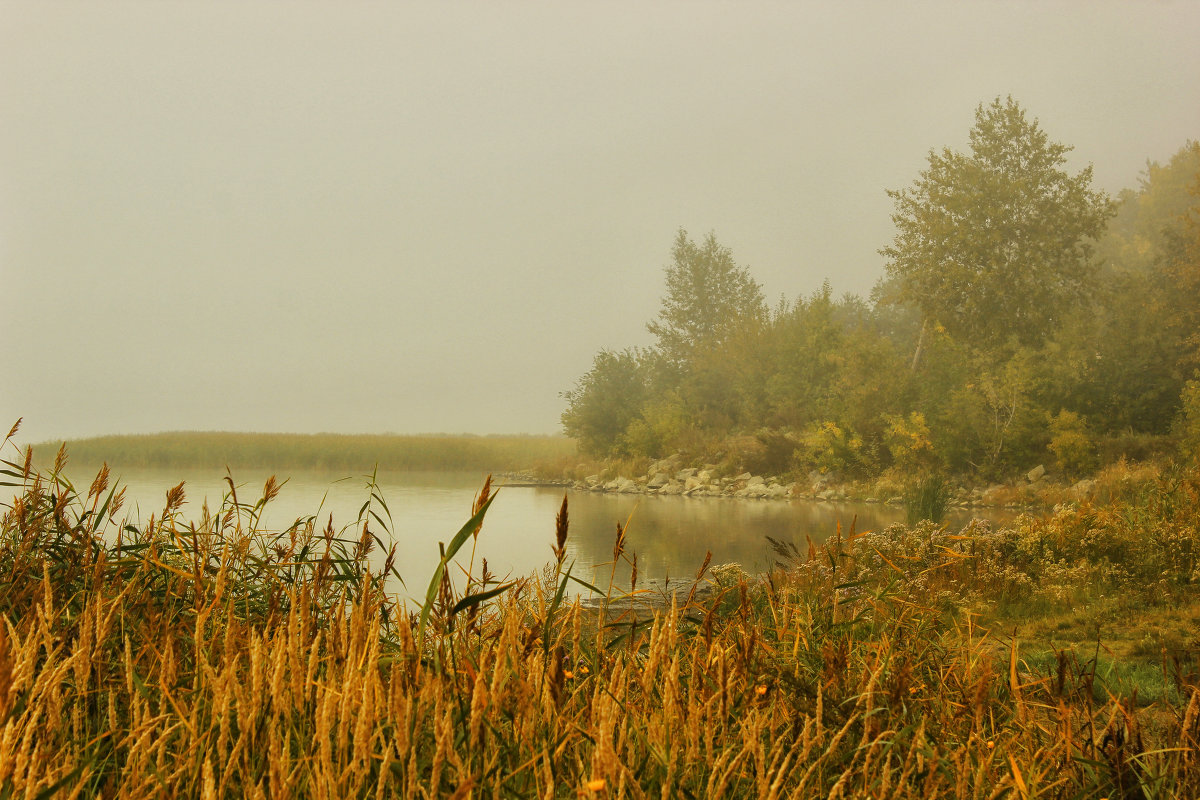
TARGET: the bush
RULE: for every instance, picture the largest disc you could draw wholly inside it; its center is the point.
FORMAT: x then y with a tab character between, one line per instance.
1189	420
1071	444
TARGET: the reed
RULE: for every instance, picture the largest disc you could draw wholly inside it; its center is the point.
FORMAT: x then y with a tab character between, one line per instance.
212	658
326	451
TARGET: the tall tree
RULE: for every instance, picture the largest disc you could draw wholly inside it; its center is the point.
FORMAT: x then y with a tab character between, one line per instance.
1138	237
992	243
709	300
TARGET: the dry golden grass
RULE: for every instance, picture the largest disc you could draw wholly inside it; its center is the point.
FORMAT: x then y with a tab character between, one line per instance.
209	658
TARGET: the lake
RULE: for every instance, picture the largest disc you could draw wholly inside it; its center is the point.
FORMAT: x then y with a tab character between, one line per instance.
670	534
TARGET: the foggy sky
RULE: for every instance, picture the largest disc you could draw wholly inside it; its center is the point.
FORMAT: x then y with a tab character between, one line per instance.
418	218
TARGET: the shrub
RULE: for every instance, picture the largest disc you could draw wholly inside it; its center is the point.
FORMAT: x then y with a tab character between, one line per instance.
1071	443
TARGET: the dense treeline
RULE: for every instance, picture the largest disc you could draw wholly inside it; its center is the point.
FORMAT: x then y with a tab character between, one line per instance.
1024	318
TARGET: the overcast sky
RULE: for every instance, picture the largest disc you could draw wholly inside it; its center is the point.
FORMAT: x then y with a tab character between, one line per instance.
429	217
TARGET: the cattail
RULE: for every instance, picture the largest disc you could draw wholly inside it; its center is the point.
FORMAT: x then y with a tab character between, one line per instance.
13	430
633	576
619	544
560	532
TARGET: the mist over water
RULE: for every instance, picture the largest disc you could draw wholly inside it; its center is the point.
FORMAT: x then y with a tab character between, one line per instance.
358	217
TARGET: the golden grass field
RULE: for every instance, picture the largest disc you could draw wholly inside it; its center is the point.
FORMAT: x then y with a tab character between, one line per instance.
210	658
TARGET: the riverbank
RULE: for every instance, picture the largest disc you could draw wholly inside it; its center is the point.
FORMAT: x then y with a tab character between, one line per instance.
668	477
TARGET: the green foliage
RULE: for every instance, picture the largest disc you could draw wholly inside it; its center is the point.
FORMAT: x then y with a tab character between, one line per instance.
991	244
662	425
926	499
991	340
1136	238
1189	420
909	443
605	401
709	298
1071	443
833	448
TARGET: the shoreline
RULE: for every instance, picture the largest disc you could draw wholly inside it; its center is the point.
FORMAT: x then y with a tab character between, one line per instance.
1037	492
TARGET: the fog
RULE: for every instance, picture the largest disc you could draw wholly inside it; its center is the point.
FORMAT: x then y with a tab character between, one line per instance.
417	218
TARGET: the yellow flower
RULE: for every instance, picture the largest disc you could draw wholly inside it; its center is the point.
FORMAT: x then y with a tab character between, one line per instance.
568	674
760	690
991	744
595	786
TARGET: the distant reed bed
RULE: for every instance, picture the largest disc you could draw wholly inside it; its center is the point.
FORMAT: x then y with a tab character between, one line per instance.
322	451
211	658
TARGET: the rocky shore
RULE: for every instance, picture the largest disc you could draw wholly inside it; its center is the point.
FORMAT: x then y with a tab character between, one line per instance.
669	477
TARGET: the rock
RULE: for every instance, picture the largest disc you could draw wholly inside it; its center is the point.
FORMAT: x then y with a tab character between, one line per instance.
659	480
704	476
1035	473
755	480
592	480
819	479
625	485
684	474
692	484
745	476
1083	490
827	494
993	494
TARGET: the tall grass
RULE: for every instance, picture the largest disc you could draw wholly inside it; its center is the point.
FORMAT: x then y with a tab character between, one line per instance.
212	658
927	499
324	451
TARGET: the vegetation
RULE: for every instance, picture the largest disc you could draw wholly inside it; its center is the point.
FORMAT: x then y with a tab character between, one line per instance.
213	658
1012	329
325	451
992	244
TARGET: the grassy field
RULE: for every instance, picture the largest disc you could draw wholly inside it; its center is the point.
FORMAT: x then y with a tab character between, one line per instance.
212	658
324	451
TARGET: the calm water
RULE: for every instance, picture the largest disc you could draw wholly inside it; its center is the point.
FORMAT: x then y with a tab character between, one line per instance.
669	534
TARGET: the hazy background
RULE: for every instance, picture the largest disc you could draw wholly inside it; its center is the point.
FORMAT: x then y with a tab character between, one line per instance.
418	218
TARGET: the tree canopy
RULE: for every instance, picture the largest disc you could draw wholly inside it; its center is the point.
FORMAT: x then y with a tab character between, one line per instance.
1031	354
993	243
709	299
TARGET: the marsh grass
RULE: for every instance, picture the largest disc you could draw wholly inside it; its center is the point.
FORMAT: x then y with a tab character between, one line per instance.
212	658
326	451
927	499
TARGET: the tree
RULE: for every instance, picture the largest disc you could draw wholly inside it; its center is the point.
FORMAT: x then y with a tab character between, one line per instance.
709	300
605	401
992	243
1138	236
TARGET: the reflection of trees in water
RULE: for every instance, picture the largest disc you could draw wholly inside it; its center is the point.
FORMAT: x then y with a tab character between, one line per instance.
672	534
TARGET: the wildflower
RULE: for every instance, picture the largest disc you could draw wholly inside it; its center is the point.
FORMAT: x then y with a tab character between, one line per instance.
991	744
568	674
596	785
760	690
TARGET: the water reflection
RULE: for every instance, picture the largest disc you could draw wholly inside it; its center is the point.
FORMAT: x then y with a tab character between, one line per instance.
670	534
